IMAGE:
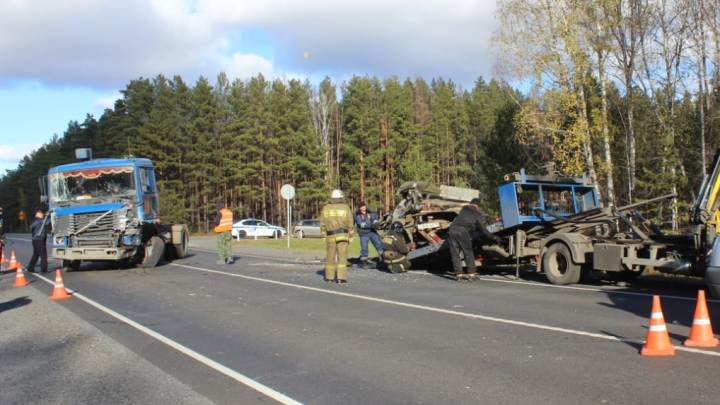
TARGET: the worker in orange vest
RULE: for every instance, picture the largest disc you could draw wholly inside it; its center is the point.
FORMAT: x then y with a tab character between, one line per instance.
223	229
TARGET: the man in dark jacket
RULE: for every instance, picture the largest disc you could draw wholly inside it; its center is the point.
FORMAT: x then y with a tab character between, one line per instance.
469	221
366	220
39	230
396	249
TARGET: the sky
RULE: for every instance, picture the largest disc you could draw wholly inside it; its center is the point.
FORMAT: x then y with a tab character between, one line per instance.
62	60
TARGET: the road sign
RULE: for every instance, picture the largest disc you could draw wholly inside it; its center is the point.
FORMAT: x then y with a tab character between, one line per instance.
287	192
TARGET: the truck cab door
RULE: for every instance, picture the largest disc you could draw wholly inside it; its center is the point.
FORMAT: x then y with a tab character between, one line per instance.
148	194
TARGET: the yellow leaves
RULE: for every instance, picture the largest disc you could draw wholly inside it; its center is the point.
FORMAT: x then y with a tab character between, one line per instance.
555	128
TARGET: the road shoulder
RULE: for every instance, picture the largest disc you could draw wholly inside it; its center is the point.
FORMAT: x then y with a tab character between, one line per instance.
50	355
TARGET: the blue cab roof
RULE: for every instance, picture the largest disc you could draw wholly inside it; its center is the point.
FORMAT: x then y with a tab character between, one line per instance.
98	163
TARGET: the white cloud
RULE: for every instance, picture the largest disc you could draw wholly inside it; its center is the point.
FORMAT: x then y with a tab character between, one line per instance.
106	42
405	37
107	101
14	153
246	65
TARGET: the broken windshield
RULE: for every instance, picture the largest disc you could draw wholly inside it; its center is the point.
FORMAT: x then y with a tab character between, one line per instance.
86	184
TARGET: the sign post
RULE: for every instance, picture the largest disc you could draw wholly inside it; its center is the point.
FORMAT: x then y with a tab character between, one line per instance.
287	192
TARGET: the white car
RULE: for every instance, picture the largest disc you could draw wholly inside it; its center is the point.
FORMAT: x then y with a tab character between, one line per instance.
251	228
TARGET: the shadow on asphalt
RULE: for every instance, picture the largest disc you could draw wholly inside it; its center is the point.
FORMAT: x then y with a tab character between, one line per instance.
14	303
110	266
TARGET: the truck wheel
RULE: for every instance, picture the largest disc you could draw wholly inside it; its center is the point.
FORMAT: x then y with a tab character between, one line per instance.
71	265
558	265
154	249
180	250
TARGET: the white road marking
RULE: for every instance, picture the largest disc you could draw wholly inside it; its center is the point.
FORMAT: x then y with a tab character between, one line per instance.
426	308
591	289
263	389
488	278
496	280
441	310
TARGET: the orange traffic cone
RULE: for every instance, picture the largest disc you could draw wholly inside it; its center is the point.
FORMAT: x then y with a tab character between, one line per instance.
14	265
20	280
59	293
657	342
701	334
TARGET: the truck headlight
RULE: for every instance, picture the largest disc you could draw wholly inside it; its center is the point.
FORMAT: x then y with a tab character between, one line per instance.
129	240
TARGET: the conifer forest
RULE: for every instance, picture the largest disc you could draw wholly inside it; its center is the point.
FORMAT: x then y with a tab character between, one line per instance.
627	91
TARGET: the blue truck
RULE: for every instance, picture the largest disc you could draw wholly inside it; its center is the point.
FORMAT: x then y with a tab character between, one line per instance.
108	210
557	225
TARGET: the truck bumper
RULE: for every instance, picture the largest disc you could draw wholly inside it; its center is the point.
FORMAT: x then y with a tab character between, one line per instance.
88	253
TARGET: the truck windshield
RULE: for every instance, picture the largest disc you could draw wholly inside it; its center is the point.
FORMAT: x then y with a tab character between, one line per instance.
86	184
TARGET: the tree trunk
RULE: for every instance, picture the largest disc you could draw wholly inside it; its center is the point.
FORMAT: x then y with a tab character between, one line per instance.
606	131
586	144
362	176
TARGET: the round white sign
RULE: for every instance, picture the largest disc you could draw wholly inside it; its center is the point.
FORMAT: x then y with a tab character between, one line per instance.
287	192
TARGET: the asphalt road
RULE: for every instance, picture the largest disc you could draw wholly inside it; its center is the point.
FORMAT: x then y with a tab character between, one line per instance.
384	338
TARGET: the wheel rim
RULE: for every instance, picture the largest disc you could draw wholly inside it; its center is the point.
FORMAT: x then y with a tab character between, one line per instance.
557	264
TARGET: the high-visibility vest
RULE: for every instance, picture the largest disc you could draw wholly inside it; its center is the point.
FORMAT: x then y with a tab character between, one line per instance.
226	221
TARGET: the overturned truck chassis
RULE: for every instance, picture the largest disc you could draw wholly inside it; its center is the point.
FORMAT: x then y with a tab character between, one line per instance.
617	240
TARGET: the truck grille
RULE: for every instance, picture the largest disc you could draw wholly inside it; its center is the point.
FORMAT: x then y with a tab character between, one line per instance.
100	234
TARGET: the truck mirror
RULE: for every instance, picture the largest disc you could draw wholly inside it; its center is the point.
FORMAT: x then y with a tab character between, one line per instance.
43	185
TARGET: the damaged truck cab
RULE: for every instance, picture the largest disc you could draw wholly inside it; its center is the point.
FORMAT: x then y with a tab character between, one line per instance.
108	210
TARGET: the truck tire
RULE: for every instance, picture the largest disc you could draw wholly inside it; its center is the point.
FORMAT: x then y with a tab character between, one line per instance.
154	249
180	250
71	265
558	265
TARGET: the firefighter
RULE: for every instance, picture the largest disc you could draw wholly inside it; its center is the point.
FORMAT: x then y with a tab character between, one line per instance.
396	249
224	223
39	230
366	221
338	225
469	221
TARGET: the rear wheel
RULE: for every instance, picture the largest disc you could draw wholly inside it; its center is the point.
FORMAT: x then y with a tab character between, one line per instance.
300	234
558	265
180	250
241	234
154	249
277	234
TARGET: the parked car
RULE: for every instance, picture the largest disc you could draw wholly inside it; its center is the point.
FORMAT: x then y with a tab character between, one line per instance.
251	228
308	228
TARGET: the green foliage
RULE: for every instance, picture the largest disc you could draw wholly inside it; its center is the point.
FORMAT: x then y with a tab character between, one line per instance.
239	142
